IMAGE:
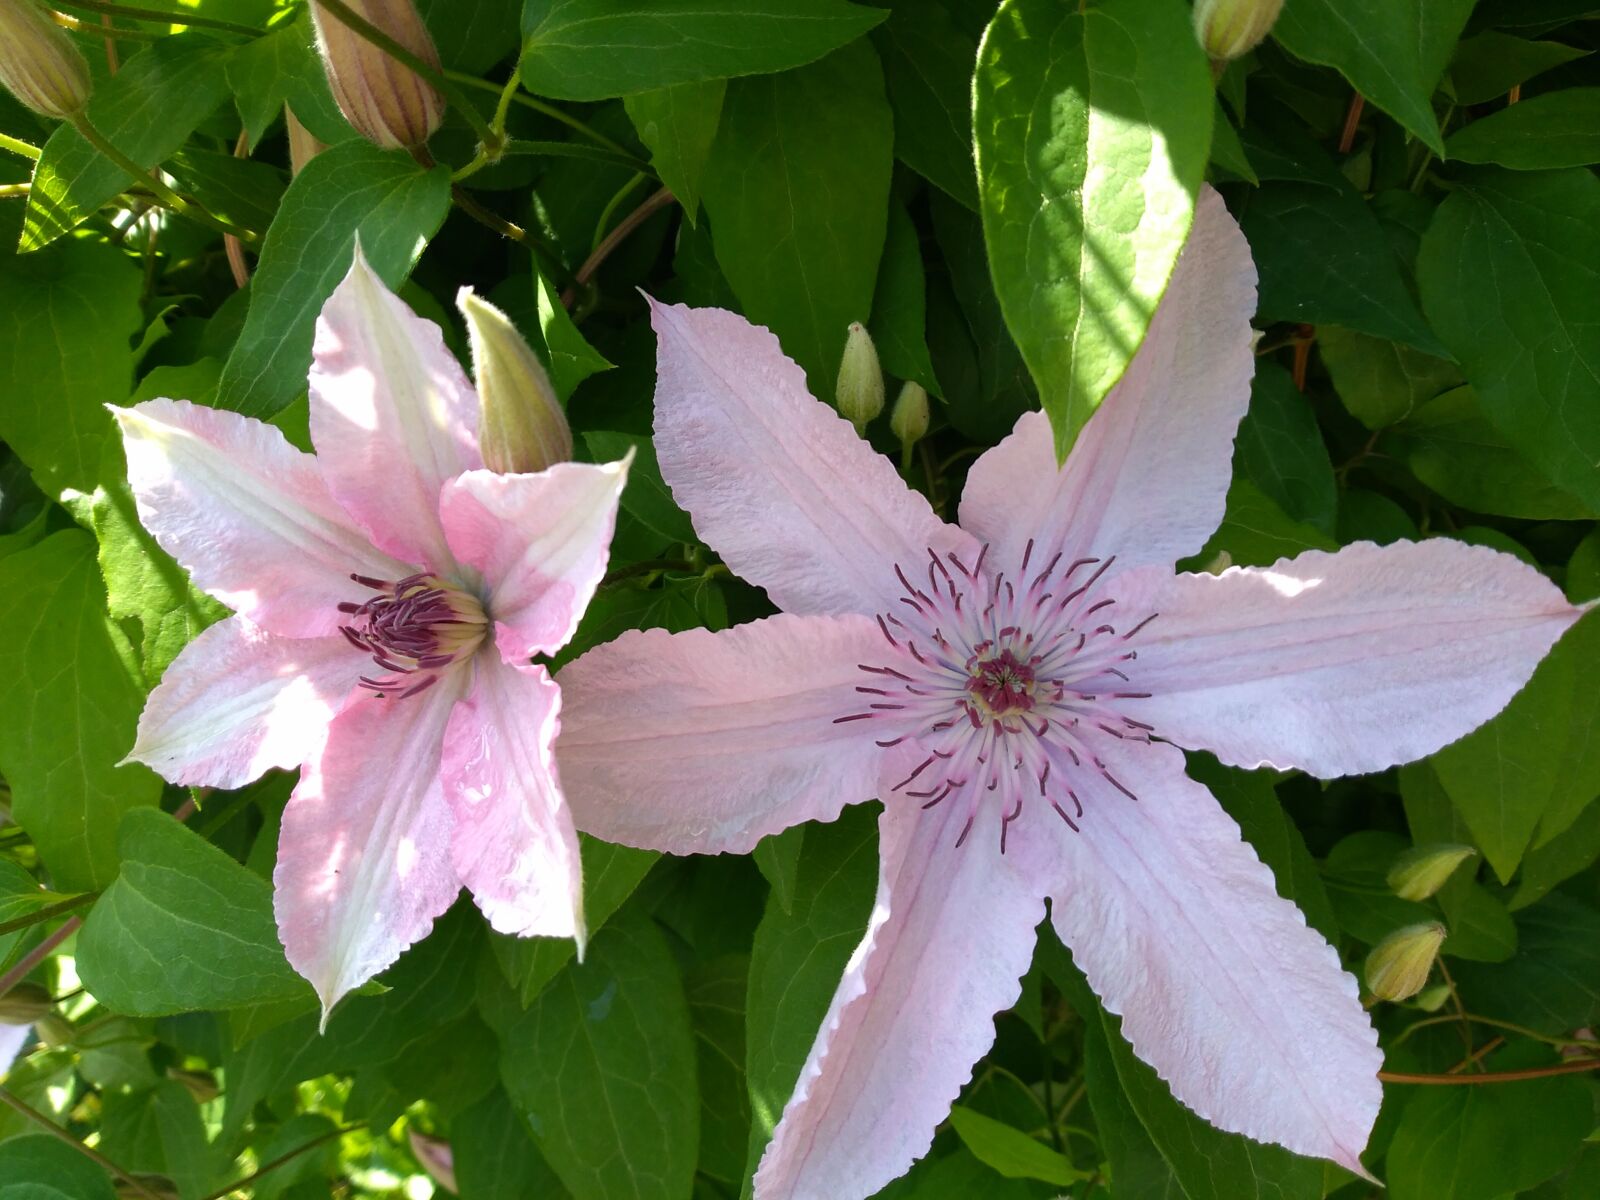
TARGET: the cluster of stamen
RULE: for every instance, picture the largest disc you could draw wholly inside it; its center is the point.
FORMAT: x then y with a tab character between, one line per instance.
414	628
999	679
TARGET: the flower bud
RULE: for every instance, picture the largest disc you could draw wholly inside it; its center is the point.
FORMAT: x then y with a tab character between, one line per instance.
1423	870
860	390
909	416
1398	966
437	1158
1228	29
384	100
521	424
39	64
24	1004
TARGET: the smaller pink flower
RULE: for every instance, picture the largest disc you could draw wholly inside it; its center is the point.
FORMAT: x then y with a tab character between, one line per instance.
1015	691
389	594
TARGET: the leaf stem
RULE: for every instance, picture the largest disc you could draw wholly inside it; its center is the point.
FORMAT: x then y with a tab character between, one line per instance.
168	198
1521	1030
39	916
1568	1068
648	208
55	1131
19	147
38	954
166	17
284	1158
539	106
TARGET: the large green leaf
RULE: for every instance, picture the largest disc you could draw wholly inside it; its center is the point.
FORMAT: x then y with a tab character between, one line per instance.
1507	271
1558	129
1280	449
353	190
679	124
1492	63
64	328
74	701
495	1158
796	190
1093	126
1552	984
1392	51
1010	1151
593	49
927	63
183	927
38	1167
1380	382
146	110
282	68
798	957
602	1067
716	993
900	305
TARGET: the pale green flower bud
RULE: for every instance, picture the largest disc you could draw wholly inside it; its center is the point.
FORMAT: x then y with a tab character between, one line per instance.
39	64
860	389
384	100
1228	29
24	1004
1398	966
909	416
521	424
1423	870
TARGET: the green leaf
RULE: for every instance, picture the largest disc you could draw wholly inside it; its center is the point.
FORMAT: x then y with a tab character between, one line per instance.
183	927
1552	983
679	124
1135	1163
146	110
602	1068
350	190
716	993
1479	1143
495	1158
1281	450
77	702
472	37
675	605
20	895
1392	51
1255	532
900	305
1450	446
595	49
1227	151
281	67
796	191
1010	1151
1380	382
1538	762
1507	272
1557	129
1356	872
777	856
38	1167
1092	127
927	65
297	1132
1492	63
798	958
64	355
1560	858
240	190
159	1131
565	352
1480	927
646	495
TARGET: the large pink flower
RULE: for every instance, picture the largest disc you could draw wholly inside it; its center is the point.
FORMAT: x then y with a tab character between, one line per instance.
1015	692
389	593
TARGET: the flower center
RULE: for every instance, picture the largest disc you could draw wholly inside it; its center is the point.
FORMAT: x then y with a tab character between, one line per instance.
414	628
1002	683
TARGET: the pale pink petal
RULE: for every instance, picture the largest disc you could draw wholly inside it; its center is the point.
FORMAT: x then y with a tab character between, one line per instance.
247	515
1221	986
951	934
513	844
363	854
541	542
12	1039
239	700
703	742
392	416
1344	663
1147	478
778	483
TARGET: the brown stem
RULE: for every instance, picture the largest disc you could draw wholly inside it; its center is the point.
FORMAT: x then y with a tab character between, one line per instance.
651	205
1571	1068
55	1131
1304	336
38	954
1352	118
231	245
1514	94
111	46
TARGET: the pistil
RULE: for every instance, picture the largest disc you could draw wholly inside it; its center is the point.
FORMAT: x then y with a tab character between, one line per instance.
415	628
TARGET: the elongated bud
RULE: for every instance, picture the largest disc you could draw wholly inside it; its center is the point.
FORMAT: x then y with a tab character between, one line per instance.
303	144
860	390
39	64
1398	966
24	1004
521	424
1228	29
384	100
1423	870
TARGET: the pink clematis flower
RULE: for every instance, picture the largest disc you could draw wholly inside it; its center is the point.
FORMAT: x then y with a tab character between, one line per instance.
1015	691
389	593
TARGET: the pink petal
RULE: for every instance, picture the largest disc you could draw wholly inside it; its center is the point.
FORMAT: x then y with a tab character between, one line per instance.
513	843
1222	987
392	416
1341	663
238	701
247	515
1148	476
541	542
951	934
777	483
363	855
703	742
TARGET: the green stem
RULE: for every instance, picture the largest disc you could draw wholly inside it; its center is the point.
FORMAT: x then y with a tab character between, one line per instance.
19	147
110	33
428	71
1568	1068
165	16
493	220
38	954
1520	1030
540	106
167	197
47	912
55	1131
